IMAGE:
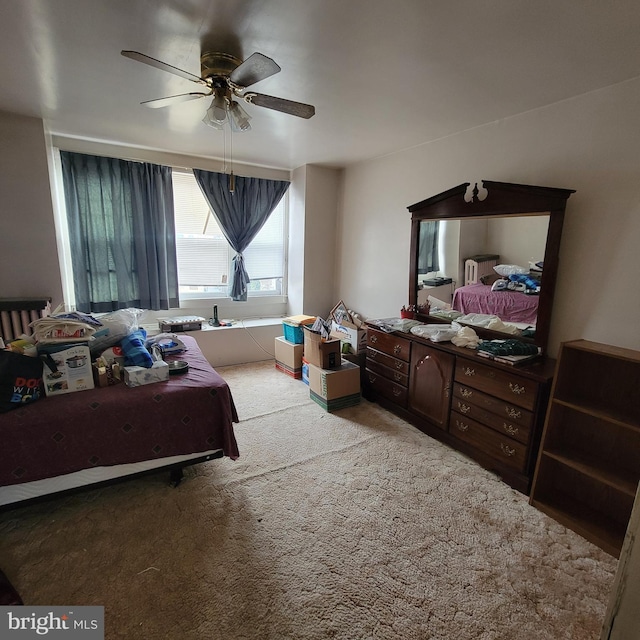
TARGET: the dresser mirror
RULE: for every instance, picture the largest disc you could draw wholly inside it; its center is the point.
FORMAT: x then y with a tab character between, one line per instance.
489	224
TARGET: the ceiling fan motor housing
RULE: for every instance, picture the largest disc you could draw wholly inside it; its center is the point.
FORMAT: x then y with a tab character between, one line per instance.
214	64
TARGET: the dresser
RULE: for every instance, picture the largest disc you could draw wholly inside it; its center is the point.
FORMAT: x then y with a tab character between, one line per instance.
492	412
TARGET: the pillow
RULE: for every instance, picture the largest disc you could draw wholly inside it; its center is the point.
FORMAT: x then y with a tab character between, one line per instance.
506	270
135	353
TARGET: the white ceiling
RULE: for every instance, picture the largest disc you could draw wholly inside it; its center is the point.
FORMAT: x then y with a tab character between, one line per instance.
383	74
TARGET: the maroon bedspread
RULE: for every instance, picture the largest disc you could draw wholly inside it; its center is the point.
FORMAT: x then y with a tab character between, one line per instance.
189	413
509	306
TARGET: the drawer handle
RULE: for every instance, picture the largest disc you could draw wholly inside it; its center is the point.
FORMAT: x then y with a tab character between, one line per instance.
517	389
397	377
468	371
372	378
374	338
372	355
512	413
397	349
508	451
461	426
510	429
466	393
396	392
464	408
398	365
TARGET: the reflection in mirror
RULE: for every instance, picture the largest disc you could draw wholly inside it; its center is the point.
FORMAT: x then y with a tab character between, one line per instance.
455	288
467	229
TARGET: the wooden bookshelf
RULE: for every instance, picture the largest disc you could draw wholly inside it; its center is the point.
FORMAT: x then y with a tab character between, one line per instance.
588	466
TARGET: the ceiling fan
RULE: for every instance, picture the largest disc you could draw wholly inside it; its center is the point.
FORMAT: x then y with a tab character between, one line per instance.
224	77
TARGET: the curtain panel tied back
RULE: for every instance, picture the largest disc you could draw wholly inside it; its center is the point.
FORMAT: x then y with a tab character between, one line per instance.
240	214
120	216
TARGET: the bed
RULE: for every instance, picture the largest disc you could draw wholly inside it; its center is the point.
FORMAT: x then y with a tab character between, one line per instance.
86	437
509	306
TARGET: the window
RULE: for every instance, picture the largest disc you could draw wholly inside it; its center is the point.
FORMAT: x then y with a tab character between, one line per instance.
204	255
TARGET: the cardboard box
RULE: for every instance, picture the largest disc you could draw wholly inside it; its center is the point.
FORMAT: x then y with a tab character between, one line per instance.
323	354
137	376
349	334
331	384
289	357
70	370
336	388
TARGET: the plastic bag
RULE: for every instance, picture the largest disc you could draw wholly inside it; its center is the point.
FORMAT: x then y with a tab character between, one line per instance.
117	325
506	270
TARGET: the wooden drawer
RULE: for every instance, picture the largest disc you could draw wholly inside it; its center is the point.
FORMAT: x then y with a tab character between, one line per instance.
383	386
508	451
503	384
388	361
507	418
391	374
389	343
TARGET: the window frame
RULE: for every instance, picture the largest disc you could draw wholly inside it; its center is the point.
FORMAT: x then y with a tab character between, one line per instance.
257	306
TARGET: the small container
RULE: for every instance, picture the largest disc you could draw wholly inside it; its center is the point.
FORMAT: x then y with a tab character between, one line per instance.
292	328
178	366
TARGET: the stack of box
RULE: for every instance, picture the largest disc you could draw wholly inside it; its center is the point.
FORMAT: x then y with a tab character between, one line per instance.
302	353
334	383
289	348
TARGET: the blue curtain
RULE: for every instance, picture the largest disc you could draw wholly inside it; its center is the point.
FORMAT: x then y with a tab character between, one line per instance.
241	215
428	259
122	233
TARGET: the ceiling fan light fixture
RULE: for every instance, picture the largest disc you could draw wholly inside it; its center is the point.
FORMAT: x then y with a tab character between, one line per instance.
210	122
216	114
238	117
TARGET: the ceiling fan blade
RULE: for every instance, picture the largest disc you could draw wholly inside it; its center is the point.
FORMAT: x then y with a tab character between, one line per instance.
163	66
280	104
165	102
255	68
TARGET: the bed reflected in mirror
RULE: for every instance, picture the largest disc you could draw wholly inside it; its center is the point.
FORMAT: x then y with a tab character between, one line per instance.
475	268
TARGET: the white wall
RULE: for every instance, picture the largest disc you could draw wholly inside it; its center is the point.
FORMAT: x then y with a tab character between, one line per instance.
321	207
589	143
28	253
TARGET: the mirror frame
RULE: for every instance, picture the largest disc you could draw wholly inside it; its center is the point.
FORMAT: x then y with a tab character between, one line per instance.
503	199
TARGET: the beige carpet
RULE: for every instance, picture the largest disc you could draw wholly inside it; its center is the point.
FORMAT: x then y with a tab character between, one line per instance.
348	525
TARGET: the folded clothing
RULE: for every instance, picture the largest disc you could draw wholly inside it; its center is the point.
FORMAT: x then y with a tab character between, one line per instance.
511	347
